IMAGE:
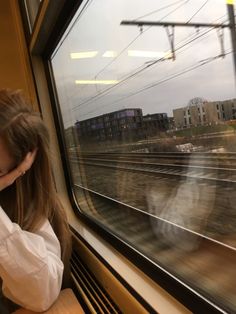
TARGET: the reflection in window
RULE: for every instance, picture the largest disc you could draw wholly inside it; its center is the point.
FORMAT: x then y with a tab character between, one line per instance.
151	135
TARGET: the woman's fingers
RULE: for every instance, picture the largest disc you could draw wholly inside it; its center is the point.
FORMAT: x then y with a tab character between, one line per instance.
26	164
9	178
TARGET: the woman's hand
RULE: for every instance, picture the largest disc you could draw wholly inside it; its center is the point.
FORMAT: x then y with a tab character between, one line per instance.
9	178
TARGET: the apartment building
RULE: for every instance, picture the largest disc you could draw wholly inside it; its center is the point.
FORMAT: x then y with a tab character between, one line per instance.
203	112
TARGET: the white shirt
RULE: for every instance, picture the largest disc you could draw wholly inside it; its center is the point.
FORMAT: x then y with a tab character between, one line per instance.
30	264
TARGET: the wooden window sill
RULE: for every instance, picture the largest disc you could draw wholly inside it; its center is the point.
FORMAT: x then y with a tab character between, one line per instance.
65	304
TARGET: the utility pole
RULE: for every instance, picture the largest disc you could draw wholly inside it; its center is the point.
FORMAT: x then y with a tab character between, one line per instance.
230	8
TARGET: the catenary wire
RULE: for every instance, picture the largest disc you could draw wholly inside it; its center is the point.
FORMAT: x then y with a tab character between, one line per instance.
140	67
100	94
157	10
202	6
133	40
173	76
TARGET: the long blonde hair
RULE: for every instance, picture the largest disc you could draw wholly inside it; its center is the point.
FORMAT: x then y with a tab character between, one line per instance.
33	197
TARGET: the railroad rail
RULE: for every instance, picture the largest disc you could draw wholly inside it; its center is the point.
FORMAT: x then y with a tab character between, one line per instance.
216	168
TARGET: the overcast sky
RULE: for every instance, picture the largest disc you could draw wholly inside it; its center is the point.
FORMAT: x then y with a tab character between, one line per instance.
154	89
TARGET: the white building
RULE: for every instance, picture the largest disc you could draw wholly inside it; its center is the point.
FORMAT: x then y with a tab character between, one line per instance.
202	112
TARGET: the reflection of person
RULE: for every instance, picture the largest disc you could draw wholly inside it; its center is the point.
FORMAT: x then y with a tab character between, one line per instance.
181	209
32	256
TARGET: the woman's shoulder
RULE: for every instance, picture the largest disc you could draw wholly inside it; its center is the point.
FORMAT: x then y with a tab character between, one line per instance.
47	233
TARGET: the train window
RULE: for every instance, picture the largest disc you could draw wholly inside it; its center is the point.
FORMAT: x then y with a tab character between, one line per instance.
146	91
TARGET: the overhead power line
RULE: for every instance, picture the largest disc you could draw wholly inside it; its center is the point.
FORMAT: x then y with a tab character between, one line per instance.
164	80
231	25
107	90
141	33
201	7
158	10
203	62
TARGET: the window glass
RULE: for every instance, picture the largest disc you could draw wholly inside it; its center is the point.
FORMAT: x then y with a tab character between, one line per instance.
149	120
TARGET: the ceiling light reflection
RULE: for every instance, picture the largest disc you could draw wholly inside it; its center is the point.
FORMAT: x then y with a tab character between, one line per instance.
83	55
110	54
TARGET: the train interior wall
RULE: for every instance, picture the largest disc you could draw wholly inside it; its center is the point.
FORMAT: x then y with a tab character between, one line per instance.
14	60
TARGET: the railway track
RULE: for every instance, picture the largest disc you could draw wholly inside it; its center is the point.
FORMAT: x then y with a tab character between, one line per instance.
177	157
179	227
190	191
216	168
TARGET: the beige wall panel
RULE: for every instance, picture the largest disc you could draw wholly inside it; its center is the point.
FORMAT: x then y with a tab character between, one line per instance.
14	60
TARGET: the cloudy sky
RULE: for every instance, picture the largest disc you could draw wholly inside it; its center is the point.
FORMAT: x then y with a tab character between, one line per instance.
142	81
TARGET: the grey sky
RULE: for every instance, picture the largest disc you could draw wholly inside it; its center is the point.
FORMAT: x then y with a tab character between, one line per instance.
98	28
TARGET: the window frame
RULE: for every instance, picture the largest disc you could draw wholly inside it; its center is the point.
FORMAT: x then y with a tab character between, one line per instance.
180	291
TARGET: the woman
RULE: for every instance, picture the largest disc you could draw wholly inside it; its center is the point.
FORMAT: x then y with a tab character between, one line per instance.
34	234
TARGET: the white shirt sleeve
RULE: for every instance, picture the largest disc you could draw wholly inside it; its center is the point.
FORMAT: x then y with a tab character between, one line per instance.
30	264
